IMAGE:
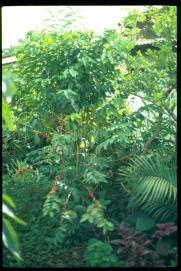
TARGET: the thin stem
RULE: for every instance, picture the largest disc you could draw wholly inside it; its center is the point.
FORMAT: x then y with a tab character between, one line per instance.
165	108
171	113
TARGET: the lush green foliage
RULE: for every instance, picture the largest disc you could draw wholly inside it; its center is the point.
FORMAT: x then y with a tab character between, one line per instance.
9	89
100	254
81	160
11	51
10	237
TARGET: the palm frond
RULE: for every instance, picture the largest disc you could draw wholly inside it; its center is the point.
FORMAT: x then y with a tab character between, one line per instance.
160	211
153	185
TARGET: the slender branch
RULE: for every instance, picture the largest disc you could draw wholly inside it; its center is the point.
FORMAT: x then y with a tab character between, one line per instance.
92	197
169	91
171	113
147	144
65	206
143	98
165	108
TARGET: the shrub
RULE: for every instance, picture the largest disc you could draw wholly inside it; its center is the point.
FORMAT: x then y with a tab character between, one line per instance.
100	254
140	249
